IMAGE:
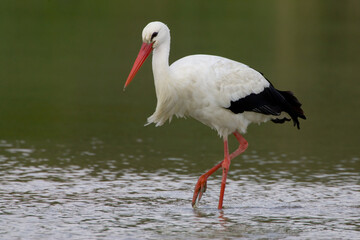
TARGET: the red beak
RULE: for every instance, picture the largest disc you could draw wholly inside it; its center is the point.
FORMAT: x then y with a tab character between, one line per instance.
145	50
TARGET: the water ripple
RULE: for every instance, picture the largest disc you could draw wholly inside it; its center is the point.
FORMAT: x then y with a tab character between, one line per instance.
42	199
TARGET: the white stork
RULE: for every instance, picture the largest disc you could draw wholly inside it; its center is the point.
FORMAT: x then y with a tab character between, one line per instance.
221	93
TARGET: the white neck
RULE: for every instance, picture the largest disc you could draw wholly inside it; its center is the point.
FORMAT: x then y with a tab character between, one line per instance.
160	65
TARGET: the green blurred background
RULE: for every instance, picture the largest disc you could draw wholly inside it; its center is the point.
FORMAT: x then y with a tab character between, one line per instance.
63	65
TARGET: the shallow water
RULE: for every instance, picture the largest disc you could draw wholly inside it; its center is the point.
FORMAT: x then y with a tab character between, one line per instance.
40	200
77	163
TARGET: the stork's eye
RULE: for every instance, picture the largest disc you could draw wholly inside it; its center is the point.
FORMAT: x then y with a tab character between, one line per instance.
154	35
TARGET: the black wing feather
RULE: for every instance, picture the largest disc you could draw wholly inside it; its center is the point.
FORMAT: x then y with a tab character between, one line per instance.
270	102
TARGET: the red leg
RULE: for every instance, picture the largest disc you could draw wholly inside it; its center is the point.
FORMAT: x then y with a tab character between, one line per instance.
243	145
225	167
200	186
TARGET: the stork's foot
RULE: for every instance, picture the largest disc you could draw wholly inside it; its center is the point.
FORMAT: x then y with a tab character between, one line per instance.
200	188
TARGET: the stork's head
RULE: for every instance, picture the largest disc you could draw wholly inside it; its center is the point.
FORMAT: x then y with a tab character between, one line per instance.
153	35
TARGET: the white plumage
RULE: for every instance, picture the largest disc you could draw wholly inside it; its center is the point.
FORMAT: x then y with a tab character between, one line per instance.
202	86
221	93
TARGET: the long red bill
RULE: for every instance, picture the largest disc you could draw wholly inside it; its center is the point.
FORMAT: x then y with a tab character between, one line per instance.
144	52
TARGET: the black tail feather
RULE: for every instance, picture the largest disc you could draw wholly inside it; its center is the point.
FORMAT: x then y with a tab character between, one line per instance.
293	107
280	120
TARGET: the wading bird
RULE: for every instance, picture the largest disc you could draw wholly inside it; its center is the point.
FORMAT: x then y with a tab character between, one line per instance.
221	93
